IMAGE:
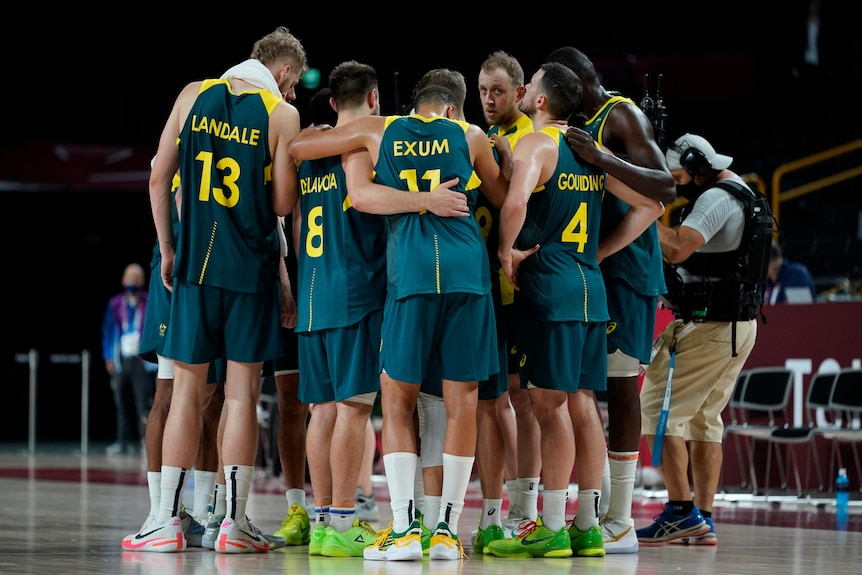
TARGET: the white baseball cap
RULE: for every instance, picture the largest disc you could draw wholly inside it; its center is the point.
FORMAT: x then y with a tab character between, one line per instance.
717	161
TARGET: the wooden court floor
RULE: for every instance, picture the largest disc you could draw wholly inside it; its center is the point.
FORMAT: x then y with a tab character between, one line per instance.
64	513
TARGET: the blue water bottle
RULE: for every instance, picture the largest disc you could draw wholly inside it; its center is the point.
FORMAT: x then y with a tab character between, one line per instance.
842	497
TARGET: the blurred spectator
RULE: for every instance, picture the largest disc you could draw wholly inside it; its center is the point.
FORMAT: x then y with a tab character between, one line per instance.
133	380
786	281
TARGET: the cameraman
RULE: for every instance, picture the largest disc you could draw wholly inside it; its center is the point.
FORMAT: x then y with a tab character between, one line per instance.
700	342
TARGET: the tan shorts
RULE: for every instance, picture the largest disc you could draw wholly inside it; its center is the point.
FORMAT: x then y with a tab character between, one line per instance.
704	375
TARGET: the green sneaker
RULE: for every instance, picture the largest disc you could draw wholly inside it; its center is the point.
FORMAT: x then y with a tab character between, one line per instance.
392	546
296	527
534	541
318	536
425	537
485	536
350	543
587	543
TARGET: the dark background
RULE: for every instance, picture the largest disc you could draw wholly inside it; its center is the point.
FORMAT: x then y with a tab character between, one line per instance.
99	84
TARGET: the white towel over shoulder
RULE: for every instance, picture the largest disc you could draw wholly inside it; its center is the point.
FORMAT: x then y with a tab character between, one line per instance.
253	72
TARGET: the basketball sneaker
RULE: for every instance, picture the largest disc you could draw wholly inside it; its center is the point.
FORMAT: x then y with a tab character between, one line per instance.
350	543
668	526
192	529
586	543
236	538
445	545
211	531
296	527
484	536
707	538
535	540
167	538
275	542
318	536
393	546
618	534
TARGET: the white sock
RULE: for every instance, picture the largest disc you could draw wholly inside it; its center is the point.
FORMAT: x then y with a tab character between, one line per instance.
554	508
203	498
491	512
515	489
623	468
238	479
588	508
530	502
154	483
400	470
173	481
341	518
606	487
432	504
295	497
419	488
456	478
321	515
219	501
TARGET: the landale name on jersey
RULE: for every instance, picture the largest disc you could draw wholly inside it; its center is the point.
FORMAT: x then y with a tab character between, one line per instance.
225	131
420	148
313	185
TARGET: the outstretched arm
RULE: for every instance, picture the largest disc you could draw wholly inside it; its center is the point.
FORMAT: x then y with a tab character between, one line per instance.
629	131
315	143
367	196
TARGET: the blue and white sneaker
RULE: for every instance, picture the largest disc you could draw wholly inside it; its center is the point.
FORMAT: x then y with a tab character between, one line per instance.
669	526
708	538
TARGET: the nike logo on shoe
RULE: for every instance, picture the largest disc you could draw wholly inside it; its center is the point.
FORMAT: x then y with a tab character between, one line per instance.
254	537
532	541
147	534
405	541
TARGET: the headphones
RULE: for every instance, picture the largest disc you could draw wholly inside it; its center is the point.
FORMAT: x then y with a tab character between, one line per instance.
692	160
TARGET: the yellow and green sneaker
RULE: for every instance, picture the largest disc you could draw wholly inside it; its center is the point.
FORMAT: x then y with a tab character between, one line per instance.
587	543
485	536
535	540
392	546
350	543
296	527
318	536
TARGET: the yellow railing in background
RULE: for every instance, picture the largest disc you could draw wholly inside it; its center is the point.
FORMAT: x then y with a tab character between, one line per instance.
779	196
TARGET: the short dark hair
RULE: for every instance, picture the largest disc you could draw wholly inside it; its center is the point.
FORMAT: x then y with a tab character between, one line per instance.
577	62
435	94
350	82
451	79
319	109
563	89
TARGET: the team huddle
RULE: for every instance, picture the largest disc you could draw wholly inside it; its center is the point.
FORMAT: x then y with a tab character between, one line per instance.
481	283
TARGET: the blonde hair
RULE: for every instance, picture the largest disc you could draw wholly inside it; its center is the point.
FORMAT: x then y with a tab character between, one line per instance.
280	45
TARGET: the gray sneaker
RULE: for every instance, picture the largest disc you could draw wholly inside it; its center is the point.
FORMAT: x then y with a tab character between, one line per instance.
211	531
192	530
366	506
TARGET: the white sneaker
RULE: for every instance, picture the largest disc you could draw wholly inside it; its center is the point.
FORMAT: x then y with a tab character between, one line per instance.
167	538
236	538
618	534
